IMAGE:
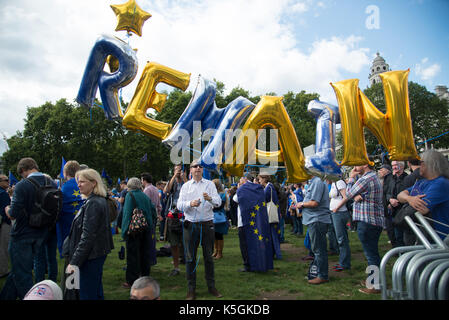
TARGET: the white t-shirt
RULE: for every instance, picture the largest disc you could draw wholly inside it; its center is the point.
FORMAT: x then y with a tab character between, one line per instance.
239	214
335	196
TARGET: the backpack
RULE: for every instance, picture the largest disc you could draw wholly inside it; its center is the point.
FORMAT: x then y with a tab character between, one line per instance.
112	207
138	223
47	204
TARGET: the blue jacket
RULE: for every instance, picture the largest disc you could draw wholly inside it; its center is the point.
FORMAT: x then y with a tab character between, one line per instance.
4	201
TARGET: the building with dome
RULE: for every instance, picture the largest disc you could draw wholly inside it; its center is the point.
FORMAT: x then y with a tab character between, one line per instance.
379	65
442	92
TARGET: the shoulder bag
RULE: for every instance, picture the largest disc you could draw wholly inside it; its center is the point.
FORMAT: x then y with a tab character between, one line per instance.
272	210
138	223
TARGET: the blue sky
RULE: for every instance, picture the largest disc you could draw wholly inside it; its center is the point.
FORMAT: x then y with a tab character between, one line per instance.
409	31
260	45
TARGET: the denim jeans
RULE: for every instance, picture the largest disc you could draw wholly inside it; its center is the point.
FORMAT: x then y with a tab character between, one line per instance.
91	279
297	225
282	228
332	238
318	242
369	237
46	259
340	219
20	279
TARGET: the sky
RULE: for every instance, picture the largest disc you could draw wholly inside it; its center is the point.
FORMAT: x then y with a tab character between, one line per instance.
260	45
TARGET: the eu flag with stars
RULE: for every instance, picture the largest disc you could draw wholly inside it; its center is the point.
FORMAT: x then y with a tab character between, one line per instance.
253	209
12	179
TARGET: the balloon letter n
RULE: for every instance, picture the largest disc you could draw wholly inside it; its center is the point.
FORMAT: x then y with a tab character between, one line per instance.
392	129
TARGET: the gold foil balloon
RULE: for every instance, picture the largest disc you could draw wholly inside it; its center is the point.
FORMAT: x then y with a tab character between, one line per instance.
130	17
393	129
398	115
269	112
112	63
146	97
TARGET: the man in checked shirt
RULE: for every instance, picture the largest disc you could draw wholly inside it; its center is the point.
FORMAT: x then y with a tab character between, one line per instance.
368	212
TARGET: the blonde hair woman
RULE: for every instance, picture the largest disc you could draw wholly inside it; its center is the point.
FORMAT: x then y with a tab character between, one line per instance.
90	238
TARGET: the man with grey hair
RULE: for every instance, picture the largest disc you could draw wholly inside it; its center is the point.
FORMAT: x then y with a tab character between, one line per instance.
430	195
392	187
145	288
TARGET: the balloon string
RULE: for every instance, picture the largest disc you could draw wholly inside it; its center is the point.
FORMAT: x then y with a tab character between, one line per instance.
433	138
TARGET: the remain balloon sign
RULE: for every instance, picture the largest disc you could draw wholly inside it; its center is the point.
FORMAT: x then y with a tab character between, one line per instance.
241	120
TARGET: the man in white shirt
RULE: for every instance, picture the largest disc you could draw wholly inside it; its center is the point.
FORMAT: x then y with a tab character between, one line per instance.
197	199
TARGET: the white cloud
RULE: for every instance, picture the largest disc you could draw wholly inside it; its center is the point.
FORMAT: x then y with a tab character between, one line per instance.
425	71
245	43
300	7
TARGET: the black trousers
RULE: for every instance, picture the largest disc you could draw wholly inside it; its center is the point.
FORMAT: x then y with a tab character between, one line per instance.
244	246
138	256
192	234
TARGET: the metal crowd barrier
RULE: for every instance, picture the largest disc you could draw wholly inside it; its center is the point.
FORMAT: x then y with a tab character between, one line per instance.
421	272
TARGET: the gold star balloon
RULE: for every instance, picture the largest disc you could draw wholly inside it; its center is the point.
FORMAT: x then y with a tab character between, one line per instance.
130	17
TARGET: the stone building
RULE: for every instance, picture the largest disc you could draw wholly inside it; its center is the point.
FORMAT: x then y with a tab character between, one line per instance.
379	65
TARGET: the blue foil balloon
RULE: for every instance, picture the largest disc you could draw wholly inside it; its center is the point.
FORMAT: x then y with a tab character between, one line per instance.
197	110
323	163
231	118
108	83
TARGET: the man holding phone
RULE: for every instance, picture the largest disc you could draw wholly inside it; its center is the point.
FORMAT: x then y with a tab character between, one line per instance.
197	199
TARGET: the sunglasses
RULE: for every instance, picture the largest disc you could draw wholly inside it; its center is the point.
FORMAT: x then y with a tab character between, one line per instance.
197	166
4	180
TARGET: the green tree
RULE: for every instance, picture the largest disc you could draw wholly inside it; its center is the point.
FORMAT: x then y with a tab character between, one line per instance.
303	122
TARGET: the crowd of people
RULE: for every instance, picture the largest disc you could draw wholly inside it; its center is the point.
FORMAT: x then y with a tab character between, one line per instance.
192	211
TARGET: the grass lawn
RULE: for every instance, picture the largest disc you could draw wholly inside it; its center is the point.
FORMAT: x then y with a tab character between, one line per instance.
285	282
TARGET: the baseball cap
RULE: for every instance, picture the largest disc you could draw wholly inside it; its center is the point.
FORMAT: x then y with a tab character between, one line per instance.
44	290
386	166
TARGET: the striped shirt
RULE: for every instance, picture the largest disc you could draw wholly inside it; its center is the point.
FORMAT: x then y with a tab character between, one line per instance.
370	209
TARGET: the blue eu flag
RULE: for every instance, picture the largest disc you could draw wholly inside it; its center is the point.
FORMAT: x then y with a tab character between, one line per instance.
12	179
105	175
253	209
61	173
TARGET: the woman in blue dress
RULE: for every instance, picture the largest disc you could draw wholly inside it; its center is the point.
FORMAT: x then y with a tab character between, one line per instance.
221	223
